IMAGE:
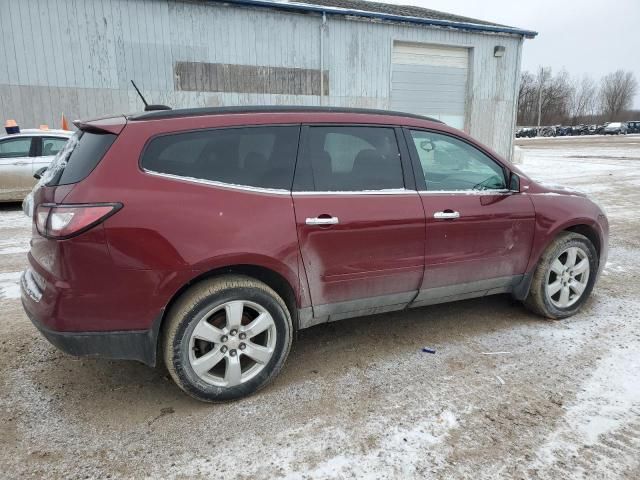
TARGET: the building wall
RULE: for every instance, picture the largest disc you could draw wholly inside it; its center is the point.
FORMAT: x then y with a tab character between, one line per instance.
77	56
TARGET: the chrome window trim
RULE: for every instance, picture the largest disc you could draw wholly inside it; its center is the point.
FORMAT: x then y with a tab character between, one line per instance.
277	191
214	183
467	192
394	191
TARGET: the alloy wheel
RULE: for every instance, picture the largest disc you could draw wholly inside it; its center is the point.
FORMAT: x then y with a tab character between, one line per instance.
232	343
567	277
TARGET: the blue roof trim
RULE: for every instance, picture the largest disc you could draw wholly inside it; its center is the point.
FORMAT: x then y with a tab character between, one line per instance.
302	7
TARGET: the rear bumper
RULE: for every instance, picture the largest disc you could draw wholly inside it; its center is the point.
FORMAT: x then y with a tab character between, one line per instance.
140	345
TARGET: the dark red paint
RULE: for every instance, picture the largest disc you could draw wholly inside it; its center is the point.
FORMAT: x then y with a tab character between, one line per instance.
122	274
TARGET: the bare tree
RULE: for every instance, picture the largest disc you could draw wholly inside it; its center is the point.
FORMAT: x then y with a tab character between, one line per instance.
583	102
544	98
616	92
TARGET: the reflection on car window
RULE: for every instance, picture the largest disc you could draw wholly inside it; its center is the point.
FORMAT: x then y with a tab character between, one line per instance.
253	156
15	147
354	158
451	164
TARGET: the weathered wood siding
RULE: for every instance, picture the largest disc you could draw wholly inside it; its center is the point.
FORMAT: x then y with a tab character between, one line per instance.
77	57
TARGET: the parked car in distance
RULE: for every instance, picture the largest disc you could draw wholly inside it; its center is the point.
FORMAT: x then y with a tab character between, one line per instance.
205	238
616	128
580	130
527	132
21	155
633	126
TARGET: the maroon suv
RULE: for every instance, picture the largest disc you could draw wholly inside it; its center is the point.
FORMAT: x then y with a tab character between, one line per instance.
207	237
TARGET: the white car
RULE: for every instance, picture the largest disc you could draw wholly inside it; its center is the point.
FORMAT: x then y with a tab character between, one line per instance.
23	154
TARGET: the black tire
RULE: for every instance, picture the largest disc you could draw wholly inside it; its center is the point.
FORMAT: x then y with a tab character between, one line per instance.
537	300
185	315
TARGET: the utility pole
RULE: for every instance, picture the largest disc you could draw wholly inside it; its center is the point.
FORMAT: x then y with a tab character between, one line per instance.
540	85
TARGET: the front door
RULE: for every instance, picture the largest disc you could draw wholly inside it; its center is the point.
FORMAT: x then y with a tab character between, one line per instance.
16	178
479	233
361	231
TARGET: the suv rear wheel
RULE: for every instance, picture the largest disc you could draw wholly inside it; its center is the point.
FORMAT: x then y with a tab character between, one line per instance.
226	338
564	277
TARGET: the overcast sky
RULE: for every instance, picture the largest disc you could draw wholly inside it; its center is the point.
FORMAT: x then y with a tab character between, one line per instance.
585	36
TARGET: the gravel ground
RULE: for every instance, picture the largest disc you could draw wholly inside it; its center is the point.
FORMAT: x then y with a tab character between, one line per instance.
507	394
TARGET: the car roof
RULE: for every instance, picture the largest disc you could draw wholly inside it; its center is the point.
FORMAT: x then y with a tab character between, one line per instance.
37	132
206	111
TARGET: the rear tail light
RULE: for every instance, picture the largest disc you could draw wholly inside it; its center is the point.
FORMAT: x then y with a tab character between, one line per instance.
65	221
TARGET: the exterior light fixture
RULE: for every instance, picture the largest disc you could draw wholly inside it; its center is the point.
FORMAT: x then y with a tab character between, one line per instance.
498	51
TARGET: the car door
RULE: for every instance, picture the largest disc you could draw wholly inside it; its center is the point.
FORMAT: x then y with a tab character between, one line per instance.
479	232
16	178
360	222
48	147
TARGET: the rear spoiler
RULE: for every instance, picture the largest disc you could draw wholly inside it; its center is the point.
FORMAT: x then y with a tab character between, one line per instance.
113	125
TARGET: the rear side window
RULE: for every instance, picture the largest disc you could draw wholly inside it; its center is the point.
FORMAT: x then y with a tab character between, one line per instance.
78	157
345	158
251	156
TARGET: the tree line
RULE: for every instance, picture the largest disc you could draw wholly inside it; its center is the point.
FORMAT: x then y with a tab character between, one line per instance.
546	98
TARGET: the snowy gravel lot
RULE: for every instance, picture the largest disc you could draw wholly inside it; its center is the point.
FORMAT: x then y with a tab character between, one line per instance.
507	395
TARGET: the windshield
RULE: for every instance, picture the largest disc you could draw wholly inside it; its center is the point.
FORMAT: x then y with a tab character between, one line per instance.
614	125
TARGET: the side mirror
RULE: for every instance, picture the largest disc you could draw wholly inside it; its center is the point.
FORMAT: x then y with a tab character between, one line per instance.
514	182
39	173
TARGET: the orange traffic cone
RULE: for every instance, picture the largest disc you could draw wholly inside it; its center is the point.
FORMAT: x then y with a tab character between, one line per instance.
65	125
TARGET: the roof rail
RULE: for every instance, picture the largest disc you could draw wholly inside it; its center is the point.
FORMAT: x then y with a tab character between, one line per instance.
204	111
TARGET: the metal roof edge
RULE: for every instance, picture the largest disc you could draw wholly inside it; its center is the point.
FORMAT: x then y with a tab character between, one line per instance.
306	7
248	109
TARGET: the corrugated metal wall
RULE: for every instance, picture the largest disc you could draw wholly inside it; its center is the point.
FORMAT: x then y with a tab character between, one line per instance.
77	57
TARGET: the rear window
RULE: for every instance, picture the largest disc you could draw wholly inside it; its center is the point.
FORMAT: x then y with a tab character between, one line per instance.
251	156
77	159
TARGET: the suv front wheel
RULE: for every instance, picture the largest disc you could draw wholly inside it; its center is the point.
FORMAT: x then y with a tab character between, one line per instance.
564	277
226	338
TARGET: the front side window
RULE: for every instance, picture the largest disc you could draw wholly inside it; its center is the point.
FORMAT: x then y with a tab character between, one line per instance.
52	145
252	156
450	164
354	158
15	147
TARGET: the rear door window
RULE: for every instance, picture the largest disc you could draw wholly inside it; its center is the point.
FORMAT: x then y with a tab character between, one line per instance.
251	156
353	158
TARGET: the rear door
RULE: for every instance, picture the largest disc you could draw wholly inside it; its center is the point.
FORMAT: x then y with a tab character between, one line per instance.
16	178
360	222
479	233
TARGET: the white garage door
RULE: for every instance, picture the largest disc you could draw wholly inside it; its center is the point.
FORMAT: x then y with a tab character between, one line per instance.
430	80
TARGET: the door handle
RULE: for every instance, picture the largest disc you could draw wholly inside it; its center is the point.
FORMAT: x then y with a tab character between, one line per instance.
322	221
446	215
20	163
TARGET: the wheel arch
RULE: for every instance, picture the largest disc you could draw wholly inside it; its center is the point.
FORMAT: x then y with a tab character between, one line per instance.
269	276
582	227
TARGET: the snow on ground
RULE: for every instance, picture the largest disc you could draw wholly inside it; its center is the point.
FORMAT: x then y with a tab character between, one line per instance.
10	285
359	399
